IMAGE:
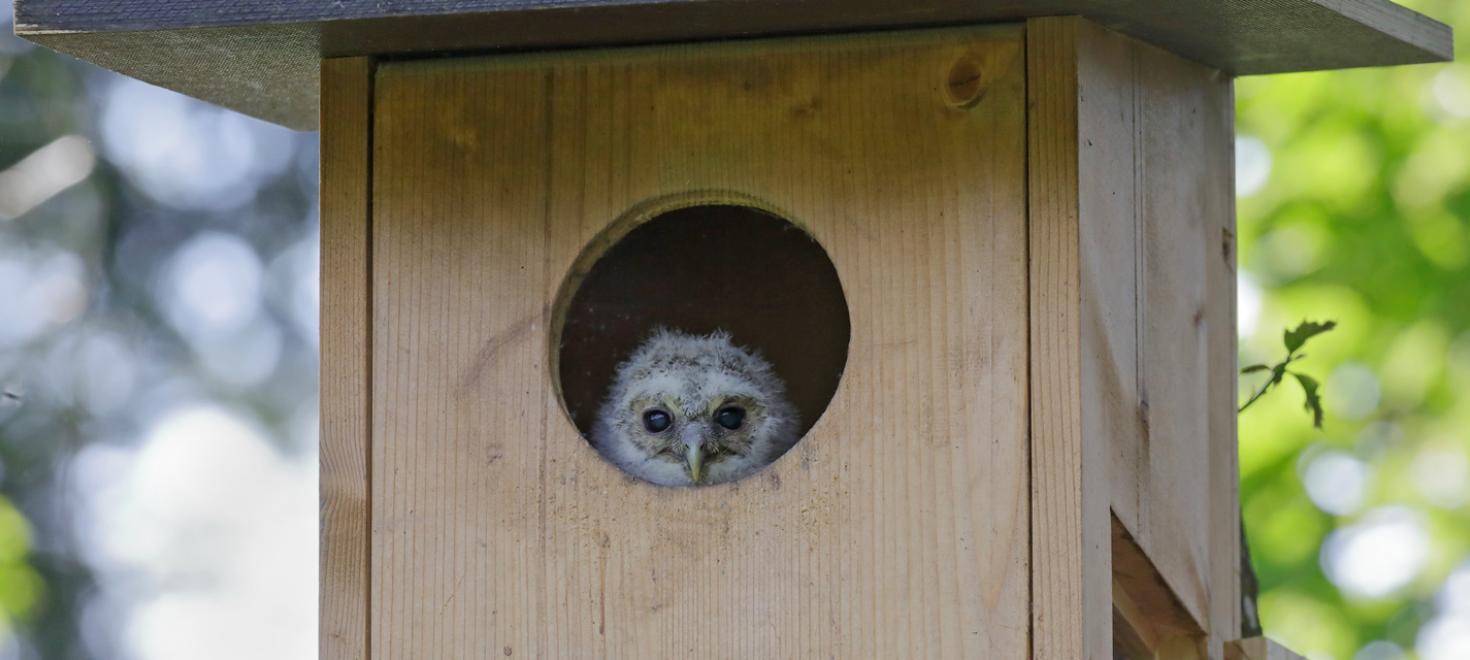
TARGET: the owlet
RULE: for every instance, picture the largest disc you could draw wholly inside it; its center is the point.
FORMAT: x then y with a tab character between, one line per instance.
694	409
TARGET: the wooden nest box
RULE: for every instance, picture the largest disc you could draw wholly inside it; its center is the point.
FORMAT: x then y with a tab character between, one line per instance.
988	244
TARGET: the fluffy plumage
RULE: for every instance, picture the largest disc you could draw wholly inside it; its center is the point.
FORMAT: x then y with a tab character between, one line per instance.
667	417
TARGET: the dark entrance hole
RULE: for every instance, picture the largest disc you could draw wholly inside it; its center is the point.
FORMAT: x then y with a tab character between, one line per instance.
698	269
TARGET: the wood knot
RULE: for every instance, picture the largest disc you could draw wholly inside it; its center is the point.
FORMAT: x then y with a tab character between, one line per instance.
965	85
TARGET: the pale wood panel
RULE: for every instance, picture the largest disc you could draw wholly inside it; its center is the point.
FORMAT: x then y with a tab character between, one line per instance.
1108	199
1157	298
1071	582
345	362
1132	168
1218	199
1174	102
897	528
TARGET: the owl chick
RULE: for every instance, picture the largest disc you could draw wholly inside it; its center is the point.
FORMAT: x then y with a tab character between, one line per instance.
694	409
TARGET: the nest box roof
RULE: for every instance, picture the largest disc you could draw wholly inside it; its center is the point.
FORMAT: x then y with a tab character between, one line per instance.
261	56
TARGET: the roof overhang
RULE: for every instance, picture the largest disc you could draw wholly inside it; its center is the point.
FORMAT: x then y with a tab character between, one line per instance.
262	57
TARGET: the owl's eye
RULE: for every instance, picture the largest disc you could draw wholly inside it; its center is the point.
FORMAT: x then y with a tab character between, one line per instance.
730	417
657	421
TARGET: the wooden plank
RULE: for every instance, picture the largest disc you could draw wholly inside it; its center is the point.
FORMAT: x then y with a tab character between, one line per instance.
1180	648
1109	232
1151	614
1130	640
259	56
1172	168
897	528
1179	207
1217	140
1131	643
345	360
1070	584
1258	648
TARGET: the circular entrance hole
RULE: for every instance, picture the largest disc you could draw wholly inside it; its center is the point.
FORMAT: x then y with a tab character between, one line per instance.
695	274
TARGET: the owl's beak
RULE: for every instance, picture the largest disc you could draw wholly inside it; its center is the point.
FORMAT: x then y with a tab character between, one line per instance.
694	456
693	439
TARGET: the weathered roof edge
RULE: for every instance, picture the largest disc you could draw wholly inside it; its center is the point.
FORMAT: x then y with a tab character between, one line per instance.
261	57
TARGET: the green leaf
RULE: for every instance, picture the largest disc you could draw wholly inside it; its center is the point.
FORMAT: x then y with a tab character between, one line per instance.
1297	337
1311	389
1254	368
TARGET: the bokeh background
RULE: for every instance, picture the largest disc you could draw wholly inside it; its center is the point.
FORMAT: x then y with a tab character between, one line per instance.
158	364
158	372
1354	205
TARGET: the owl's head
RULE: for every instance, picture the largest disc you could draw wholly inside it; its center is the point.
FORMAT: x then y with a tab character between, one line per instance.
694	409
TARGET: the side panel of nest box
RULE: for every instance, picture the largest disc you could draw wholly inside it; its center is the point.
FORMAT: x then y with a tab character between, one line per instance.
1133	339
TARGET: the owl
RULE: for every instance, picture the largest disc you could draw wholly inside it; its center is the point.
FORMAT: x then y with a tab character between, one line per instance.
689	410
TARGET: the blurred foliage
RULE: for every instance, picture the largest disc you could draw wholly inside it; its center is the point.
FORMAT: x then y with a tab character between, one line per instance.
96	347
20	584
1356	206
41	593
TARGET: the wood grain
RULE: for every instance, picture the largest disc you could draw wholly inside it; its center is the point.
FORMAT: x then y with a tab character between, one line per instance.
1258	648
1153	621
1157	160
260	56
1217	199
345	362
1183	118
897	528
1070	580
1131	199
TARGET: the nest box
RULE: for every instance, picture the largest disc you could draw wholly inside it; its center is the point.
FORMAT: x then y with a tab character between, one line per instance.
988	244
